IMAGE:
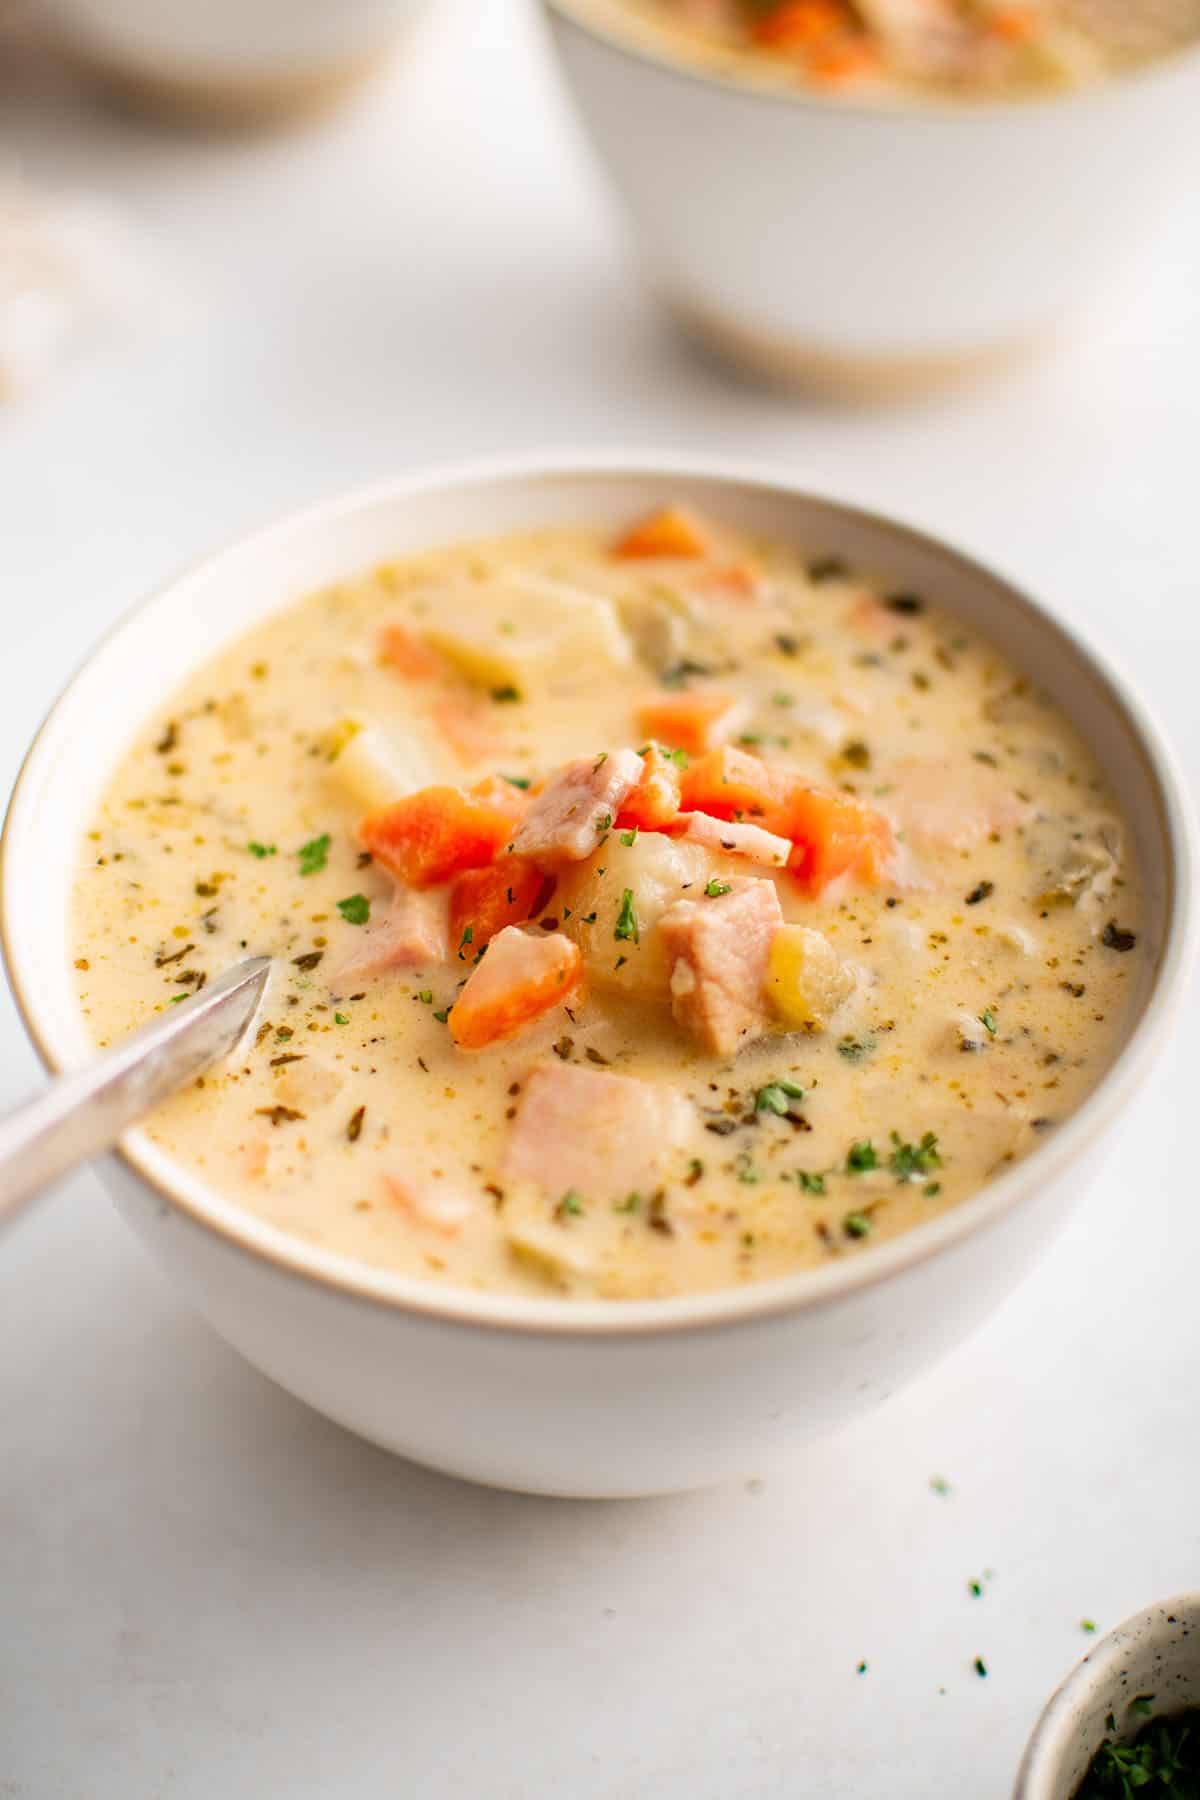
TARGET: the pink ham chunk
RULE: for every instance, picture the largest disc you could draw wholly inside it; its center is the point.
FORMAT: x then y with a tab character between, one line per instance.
408	933
577	806
600	1135
946	804
435	1205
717	950
736	839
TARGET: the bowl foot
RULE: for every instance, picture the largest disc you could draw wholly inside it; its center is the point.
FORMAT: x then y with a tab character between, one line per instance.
800	367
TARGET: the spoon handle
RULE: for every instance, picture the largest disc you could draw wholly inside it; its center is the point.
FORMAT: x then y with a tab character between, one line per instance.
85	1112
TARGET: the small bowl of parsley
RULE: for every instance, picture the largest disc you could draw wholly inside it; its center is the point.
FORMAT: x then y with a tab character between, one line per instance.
1125	1724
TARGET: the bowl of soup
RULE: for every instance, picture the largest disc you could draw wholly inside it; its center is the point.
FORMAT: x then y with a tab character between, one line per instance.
876	197
713	929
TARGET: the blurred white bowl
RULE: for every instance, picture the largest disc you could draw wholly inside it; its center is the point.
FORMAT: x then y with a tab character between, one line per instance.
846	243
551	1395
233	59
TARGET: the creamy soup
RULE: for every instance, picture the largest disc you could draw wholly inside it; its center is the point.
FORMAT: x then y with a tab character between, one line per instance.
648	915
869	48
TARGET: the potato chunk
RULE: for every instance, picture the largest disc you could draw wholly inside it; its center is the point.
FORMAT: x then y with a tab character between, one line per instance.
373	767
527	633
806	979
654	871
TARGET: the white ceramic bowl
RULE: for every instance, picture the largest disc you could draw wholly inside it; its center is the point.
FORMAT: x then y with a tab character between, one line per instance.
886	244
1155	1652
237	59
599	1398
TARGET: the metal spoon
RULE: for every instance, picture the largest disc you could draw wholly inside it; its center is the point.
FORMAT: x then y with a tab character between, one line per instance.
86	1112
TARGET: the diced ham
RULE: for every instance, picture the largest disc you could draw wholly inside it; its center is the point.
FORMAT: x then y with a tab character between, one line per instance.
872	621
437	1205
736	839
577	806
718	949
520	978
410	933
953	805
601	1135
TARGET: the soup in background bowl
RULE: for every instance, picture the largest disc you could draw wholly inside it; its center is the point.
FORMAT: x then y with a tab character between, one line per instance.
729	1190
876	244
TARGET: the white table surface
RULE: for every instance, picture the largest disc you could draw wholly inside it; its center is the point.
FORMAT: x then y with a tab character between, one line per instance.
207	1591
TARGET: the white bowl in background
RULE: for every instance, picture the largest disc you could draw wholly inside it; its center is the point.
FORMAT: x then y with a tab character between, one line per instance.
884	245
551	1395
1156	1652
237	60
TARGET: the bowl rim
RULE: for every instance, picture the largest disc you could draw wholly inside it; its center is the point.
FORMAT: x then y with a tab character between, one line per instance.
203	1205
943	108
1051	1738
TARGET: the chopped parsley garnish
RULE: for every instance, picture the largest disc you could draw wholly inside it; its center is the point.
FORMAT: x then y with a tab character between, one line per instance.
262	850
980	891
714	889
570	1206
1163	1760
828	568
600	761
467	938
589	918
505	694
909	1161
746	1172
629	838
678	757
987	1019
315	854
341	1018
932	1189
604	822
442	1016
809	1182
355	909
176	998
1143	1704
629	1204
425	996
518	781
856	1225
627	925
308	961
782	699
861	1156
777	1097
854	1049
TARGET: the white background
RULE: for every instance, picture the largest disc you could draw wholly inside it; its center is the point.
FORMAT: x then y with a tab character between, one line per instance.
205	1590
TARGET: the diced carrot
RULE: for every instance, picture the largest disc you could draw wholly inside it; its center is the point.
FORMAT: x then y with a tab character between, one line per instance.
519	979
736	581
1015	24
654	802
838	64
671	532
694	721
469	727
407	653
731	784
436	833
800	24
506	892
834	834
